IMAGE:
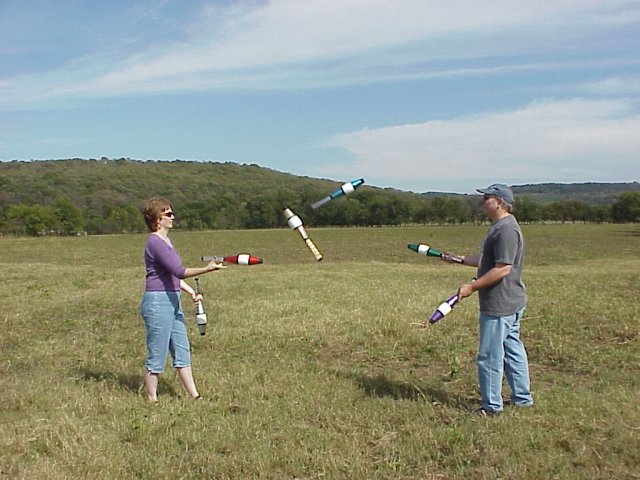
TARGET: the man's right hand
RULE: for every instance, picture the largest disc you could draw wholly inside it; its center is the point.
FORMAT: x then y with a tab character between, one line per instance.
451	258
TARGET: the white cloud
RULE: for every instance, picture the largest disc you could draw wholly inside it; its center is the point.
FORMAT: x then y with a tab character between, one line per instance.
293	44
614	86
546	141
285	33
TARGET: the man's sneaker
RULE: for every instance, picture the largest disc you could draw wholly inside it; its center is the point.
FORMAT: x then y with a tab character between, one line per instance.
483	412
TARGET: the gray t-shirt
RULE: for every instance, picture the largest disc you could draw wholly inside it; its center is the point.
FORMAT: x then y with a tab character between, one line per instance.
503	244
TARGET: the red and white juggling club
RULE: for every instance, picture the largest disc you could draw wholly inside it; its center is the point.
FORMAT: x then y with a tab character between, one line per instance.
295	223
239	259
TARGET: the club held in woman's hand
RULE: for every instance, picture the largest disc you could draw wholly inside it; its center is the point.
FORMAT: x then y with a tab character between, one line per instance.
239	259
201	316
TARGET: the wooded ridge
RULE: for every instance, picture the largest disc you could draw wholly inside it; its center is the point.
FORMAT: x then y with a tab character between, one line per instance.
106	195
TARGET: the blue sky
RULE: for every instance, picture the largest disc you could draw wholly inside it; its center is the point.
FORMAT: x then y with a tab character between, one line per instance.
419	95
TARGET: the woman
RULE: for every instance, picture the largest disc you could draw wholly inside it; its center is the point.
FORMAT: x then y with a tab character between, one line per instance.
163	317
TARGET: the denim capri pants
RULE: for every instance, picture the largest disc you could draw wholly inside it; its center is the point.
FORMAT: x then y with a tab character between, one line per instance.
166	331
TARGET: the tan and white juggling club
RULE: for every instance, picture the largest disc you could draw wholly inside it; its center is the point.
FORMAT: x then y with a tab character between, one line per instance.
295	223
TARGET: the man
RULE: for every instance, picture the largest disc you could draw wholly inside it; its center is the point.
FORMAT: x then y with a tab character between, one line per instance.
502	297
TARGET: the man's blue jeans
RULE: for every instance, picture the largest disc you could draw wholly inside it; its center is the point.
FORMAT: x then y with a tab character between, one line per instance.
501	350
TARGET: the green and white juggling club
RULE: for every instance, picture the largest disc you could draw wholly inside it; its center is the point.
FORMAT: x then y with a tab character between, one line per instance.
423	249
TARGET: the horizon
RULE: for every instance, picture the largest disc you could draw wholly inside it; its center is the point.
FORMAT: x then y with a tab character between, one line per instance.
413	95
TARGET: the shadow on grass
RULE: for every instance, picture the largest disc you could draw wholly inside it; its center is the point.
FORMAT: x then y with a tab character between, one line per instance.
632	232
126	381
382	386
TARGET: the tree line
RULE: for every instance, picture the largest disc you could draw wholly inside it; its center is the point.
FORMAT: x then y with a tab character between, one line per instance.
363	208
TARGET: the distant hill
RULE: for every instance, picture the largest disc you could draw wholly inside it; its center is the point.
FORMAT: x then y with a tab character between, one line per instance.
592	193
125	181
110	193
130	182
106	195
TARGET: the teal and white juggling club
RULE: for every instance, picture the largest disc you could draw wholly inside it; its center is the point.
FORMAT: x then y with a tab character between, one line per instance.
345	189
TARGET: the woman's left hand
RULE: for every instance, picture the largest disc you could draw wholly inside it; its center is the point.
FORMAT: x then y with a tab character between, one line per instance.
213	266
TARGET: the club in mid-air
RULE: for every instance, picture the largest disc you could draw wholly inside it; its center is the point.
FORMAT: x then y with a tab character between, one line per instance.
423	249
201	316
295	223
239	259
345	189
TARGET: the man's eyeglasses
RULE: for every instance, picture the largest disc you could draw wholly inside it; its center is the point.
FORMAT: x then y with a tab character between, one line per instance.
168	214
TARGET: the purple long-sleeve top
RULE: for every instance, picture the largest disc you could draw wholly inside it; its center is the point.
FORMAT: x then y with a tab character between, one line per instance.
163	265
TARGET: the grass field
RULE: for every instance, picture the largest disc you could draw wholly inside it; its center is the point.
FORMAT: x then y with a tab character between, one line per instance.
316	370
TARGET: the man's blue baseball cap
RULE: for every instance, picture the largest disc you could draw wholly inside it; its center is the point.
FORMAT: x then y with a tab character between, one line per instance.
499	190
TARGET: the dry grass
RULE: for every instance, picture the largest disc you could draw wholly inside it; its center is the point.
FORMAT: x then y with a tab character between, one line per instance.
315	369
